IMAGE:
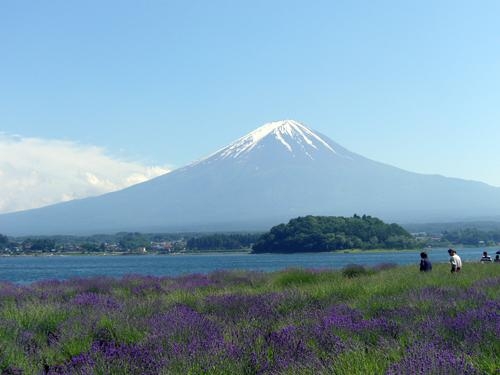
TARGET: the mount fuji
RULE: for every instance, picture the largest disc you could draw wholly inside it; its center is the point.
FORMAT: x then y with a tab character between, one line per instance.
279	171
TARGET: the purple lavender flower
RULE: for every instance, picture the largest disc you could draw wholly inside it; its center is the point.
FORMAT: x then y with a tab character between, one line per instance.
186	331
230	278
472	327
95	300
9	291
191	282
346	321
288	348
27	341
240	307
110	358
144	285
428	358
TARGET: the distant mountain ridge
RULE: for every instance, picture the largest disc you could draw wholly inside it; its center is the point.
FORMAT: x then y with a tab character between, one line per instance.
279	171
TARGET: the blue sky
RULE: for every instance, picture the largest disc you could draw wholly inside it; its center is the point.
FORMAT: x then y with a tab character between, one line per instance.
158	84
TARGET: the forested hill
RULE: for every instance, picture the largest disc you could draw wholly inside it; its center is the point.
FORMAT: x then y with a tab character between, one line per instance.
329	233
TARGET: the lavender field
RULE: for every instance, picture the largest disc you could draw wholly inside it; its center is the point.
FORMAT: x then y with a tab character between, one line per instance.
381	320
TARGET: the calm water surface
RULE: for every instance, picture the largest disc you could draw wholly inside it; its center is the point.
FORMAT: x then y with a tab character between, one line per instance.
27	269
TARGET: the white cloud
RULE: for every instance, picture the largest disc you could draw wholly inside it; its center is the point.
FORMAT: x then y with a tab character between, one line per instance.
36	172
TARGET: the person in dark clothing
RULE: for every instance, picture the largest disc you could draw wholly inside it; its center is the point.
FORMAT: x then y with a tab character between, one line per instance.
485	257
425	263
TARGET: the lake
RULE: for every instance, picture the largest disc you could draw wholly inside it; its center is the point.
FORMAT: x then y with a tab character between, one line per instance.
27	269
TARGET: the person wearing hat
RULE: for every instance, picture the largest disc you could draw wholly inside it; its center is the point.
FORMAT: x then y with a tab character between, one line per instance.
455	261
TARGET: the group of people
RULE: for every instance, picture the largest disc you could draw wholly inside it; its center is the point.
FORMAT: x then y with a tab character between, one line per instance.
455	261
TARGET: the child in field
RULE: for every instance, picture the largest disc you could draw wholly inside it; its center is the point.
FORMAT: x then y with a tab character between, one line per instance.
455	261
425	263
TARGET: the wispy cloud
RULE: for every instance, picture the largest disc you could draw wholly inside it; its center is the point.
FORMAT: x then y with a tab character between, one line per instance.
36	172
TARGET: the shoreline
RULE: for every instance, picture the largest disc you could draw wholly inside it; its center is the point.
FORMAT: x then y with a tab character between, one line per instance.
490	249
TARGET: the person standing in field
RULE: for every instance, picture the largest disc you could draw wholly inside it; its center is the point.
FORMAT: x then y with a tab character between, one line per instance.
485	257
455	261
425	263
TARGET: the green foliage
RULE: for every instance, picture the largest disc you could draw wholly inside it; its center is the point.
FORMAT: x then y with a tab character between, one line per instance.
221	241
329	233
3	240
90	247
295	277
39	244
361	362
36	316
438	228
131	241
354	270
472	236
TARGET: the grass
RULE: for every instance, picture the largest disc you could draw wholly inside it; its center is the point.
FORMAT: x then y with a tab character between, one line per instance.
386	319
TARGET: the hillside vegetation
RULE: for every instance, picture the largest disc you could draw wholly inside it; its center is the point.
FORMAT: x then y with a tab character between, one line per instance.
384	320
328	233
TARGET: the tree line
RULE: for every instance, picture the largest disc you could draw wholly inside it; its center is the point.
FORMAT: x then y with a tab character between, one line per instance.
127	242
472	237
220	241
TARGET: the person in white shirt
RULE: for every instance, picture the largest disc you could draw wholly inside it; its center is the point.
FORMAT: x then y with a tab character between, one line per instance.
455	261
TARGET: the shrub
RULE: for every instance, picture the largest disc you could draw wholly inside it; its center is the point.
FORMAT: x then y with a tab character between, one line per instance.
295	277
354	270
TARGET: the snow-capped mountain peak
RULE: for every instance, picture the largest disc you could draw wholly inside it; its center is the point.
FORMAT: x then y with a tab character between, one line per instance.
291	135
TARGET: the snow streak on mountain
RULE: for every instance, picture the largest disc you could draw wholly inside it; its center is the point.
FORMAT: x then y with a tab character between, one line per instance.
292	135
284	140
